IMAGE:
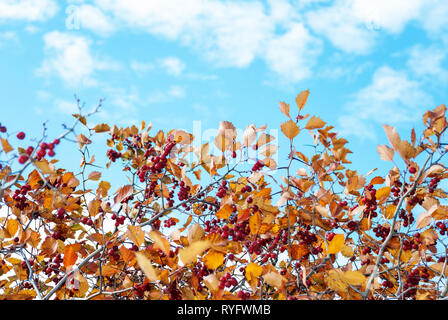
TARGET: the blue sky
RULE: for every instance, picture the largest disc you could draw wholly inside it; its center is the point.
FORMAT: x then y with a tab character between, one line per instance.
172	62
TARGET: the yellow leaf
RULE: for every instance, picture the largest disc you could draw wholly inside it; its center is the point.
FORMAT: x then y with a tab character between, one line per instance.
274	279
136	235
347	251
301	98
146	266
195	233
335	280
255	222
224	212
253	271
314	123
160	241
336	244
213	259
382	194
12	226
354	278
290	129
190	253
389	212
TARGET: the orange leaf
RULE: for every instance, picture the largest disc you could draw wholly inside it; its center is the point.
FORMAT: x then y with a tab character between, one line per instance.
123	193
136	234
336	244
253	271
284	108
12	226
6	146
290	129
70	256
224	212
213	259
301	98
314	123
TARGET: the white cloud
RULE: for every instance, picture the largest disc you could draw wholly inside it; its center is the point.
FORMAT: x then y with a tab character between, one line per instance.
29	10
293	54
342	28
426	62
172	65
140	67
90	17
226	33
391	98
68	56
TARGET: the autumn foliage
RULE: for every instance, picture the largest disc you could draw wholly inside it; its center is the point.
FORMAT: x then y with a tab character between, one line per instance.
195	225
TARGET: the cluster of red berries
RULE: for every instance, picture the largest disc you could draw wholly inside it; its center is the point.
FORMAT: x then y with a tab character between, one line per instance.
54	265
408	218
258	166
114	253
381	231
442	226
27	285
184	191
246	188
370	201
113	155
119	220
352	225
169	223
412	281
222	190
433	184
139	289
227	281
330	236
306	237
388	284
410	244
60	213
243	295
46	148
57	235
87	221
20	197
159	162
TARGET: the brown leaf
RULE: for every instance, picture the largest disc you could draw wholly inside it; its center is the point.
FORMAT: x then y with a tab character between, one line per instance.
101	128
94	175
160	241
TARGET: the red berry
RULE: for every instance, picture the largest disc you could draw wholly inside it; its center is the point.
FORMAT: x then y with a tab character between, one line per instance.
412	170
21	135
23	158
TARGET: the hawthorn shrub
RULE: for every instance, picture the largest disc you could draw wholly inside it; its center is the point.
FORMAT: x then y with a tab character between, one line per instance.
193	225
